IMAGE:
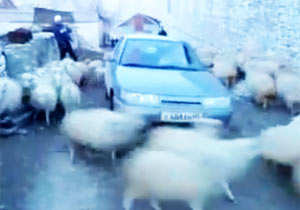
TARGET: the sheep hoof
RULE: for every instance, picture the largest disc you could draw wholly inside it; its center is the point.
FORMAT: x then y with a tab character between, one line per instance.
155	205
228	192
195	205
127	203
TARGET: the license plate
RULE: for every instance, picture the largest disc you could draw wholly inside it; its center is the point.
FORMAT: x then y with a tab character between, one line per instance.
181	117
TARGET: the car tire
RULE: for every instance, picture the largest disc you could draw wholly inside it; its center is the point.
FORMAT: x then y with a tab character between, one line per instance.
226	122
111	101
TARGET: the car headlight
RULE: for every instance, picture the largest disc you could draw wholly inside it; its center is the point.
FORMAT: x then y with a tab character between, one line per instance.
217	102
137	98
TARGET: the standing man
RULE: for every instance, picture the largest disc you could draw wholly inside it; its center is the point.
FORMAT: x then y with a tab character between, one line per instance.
63	38
162	31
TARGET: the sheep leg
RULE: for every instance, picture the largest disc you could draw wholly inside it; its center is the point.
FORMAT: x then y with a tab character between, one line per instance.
265	103
227	82
231	81
113	155
195	205
47	117
72	152
35	115
292	109
234	79
78	100
127	202
228	192
154	204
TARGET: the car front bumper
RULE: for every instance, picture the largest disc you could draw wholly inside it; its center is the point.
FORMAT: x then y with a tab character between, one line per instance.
154	113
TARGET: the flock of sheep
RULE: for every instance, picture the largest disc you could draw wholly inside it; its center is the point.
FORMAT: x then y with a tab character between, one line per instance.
267	75
192	164
47	86
173	163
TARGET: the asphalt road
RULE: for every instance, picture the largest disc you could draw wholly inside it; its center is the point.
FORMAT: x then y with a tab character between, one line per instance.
36	173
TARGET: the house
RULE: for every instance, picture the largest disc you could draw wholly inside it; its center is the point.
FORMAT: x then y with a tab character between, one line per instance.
45	16
7	4
137	23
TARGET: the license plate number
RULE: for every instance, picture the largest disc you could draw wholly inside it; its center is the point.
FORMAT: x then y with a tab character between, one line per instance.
181	117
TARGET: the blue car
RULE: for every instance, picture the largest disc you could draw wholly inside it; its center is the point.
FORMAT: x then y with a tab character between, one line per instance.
163	80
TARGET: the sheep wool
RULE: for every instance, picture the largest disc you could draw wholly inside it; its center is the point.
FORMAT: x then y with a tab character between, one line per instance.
276	141
207	54
262	87
288	87
224	160
261	65
175	178
73	69
10	95
225	68
44	97
101	129
70	95
96	73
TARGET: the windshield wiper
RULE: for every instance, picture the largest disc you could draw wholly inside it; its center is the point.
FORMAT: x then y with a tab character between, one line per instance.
139	65
179	68
171	67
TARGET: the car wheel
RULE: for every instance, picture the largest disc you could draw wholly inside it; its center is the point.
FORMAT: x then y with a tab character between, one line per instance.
226	122
111	101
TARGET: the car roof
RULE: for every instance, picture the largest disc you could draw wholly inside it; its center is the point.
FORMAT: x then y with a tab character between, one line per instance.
149	36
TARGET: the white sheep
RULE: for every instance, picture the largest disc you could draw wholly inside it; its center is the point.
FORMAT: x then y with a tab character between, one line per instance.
288	87
10	95
262	87
282	145
251	49
92	71
74	69
101	129
276	141
96	73
44	96
283	60
82	67
226	160
207	54
262	65
162	175
70	95
226	68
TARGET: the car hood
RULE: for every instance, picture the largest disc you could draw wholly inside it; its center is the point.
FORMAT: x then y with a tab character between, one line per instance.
169	82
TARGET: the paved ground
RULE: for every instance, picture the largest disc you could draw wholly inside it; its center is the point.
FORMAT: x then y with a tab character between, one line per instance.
36	174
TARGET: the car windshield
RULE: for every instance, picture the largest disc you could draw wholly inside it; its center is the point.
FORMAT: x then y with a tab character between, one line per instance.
160	54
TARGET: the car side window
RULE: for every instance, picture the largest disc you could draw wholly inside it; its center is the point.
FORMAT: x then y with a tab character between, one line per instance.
191	55
118	48
187	54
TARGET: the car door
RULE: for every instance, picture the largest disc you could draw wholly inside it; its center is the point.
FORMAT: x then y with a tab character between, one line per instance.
112	65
